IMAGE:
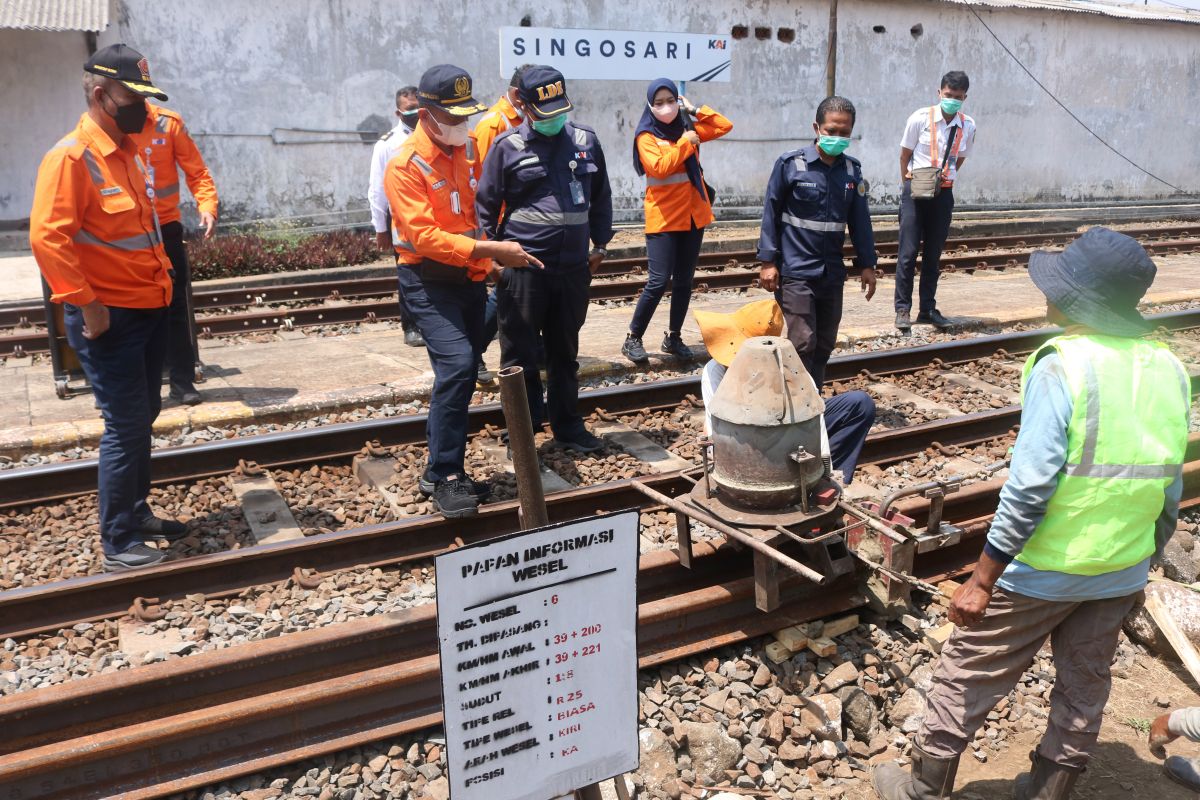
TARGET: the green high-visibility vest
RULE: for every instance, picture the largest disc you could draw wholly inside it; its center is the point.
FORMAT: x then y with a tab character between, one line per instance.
1126	444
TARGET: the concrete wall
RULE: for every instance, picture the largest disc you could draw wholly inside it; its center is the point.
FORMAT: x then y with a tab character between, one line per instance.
238	71
41	100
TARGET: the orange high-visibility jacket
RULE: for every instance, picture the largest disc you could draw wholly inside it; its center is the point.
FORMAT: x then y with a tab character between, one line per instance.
498	119
166	140
421	182
92	224
672	202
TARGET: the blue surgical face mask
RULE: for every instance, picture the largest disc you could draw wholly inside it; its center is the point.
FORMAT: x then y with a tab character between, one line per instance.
950	106
549	127
833	145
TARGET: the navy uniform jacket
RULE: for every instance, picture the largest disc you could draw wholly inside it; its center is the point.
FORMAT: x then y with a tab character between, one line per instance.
524	193
805	214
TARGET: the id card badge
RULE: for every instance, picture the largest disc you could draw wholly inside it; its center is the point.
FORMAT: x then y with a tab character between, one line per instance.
455	203
576	192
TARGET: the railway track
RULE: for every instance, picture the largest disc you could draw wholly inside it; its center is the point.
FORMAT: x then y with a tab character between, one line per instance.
356	301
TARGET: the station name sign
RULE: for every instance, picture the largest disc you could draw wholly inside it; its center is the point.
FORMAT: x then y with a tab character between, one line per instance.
589	54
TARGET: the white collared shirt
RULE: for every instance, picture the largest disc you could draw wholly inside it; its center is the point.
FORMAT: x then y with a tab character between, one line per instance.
916	138
384	149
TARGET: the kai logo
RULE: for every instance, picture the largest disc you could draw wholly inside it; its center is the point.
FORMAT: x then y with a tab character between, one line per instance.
716	44
550	91
144	67
462	86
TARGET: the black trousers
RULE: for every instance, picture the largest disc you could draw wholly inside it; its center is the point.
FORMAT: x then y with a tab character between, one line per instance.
549	304
671	258
924	226
182	354
812	309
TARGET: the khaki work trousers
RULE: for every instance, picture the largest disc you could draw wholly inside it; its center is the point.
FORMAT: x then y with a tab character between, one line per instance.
981	664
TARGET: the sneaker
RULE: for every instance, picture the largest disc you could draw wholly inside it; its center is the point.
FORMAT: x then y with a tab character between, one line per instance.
186	395
413	338
903	321
455	497
162	530
428	485
583	442
140	555
483	375
633	349
934	318
673	345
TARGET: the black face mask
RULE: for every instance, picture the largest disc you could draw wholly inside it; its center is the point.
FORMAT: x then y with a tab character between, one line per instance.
130	118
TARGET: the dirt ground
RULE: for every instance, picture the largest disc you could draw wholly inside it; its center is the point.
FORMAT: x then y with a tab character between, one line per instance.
1122	767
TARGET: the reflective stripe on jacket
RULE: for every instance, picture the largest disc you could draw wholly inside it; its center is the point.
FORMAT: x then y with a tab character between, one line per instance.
92	226
672	202
1126	444
165	139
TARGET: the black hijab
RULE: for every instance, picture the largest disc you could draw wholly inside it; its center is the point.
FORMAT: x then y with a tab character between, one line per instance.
671	131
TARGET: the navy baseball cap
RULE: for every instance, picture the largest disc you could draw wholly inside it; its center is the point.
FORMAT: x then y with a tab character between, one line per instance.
124	64
449	88
544	91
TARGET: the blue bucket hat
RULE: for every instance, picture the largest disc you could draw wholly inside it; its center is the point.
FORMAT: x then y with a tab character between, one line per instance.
1097	281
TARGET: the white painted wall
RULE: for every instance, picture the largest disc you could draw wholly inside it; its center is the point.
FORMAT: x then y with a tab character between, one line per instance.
41	98
238	70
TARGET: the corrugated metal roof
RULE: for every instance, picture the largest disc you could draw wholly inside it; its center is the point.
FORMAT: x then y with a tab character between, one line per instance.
1145	13
55	15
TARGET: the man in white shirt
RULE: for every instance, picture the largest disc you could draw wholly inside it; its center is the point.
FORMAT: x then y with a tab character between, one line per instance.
387	146
938	136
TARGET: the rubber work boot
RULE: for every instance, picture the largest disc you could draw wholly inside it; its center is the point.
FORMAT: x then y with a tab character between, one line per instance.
1184	771
633	349
930	778
155	529
140	555
672	344
934	318
1046	780
903	321
455	498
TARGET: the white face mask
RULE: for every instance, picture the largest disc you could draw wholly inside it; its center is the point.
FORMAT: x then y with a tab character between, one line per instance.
666	113
451	135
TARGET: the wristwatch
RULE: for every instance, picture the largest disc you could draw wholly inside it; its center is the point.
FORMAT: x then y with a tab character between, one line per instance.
600	251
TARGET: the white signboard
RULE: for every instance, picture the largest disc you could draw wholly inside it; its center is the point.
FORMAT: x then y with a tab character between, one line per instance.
586	54
538	634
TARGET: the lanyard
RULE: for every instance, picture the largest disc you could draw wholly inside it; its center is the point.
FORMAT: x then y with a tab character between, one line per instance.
148	175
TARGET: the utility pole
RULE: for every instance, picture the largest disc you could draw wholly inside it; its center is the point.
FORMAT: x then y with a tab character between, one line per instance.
831	58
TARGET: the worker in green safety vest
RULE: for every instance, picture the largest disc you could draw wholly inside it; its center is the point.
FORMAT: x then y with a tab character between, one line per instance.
1092	495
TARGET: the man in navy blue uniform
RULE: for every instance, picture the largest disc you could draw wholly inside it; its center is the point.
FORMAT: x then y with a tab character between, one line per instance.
545	185
813	195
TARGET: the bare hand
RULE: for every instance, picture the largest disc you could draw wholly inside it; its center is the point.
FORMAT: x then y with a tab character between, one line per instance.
208	221
511	254
969	603
1160	735
768	277
383	240
95	319
691	137
868	282
594	260
908	175
687	105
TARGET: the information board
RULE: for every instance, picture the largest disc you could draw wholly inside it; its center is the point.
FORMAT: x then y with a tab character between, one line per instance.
538	643
590	54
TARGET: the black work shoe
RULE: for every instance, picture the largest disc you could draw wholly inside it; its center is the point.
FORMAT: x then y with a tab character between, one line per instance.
428	484
1184	771
583	442
413	338
903	321
156	529
140	555
483	375
633	349
673	345
186	395
455	497
934	318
